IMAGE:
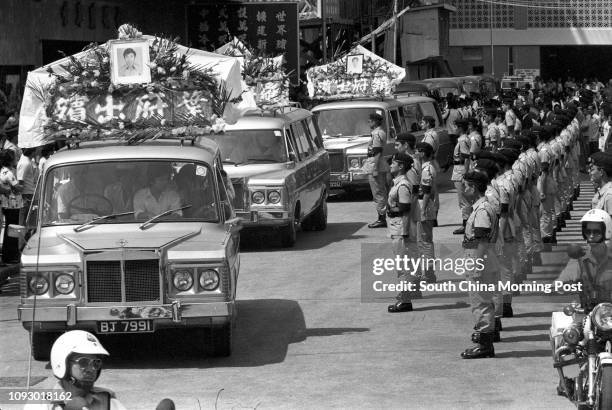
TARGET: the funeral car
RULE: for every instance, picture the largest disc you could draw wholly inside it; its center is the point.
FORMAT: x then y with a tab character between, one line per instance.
346	133
126	239
279	171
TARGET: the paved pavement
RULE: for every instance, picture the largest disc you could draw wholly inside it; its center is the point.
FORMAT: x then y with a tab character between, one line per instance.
304	339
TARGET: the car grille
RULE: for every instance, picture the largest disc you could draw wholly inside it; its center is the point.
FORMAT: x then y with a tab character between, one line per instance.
239	199
141	281
336	162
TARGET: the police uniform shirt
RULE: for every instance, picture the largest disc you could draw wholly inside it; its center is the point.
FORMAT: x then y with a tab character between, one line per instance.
503	130
462	151
601	269
492	196
428	178
414	179
431	137
400	192
603	198
475	142
510	118
482	216
492	133
379	140
544	153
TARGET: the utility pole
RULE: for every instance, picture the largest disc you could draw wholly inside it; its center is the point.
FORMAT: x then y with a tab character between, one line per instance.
394	32
324	18
491	38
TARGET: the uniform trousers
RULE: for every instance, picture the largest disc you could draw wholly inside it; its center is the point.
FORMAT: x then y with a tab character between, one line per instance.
378	185
508	268
481	300
426	245
547	211
404	246
464	204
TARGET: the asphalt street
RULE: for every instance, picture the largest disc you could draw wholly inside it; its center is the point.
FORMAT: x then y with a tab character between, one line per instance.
305	339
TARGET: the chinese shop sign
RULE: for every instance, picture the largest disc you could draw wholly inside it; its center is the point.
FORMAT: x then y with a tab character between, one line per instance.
269	27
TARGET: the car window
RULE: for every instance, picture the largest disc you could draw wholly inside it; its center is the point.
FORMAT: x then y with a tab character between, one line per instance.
347	121
225	202
314	133
428	108
292	146
305	149
396	121
411	115
253	146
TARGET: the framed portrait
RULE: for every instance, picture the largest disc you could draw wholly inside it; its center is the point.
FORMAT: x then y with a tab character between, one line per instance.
130	62
354	64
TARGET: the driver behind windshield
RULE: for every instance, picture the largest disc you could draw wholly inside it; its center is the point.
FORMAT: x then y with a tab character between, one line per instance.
268	146
195	190
158	196
232	149
80	195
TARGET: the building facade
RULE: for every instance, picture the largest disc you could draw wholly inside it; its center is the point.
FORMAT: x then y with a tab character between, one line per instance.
560	38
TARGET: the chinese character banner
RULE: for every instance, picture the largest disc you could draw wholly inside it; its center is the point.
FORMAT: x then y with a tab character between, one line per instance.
271	28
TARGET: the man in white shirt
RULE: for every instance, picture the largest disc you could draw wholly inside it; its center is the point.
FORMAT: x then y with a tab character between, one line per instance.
27	174
158	197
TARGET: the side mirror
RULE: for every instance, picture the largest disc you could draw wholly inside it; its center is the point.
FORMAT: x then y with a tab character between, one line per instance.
17	231
233	225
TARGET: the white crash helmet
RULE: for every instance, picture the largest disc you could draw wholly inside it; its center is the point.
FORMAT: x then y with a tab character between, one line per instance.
600	216
75	341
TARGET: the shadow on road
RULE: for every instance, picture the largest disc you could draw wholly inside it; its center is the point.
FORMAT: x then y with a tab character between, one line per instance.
458	305
523	353
263	333
526	338
525	327
532	314
269	240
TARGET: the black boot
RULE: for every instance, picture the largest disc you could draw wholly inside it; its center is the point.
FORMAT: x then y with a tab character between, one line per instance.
498	328
507	310
461	230
483	348
400	307
381	222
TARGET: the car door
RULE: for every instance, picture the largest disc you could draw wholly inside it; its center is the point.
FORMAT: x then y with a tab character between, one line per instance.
320	163
306	173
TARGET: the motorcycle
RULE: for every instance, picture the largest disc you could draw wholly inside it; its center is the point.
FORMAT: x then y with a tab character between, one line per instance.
581	336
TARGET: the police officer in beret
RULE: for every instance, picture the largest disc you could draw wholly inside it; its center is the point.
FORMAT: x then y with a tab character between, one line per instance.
478	243
461	161
399	205
429	205
379	169
406	143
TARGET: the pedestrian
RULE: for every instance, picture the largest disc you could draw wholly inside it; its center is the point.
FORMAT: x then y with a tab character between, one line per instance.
509	116
12	203
27	175
479	235
492	131
76	362
461	161
601	177
8	140
378	169
399	206
429	206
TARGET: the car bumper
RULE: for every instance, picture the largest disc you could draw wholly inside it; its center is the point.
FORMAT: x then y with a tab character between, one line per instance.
180	315
264	218
344	180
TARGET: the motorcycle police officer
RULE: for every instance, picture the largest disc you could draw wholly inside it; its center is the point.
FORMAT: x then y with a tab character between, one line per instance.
480	234
76	361
601	173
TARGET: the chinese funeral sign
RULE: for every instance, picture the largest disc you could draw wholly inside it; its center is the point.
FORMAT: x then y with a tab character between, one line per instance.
271	28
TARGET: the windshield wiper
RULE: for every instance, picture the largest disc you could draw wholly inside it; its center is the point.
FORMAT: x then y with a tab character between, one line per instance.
168	212
262	159
100	218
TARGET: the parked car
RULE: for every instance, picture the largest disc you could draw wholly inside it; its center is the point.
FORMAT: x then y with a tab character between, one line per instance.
279	171
485	85
98	259
410	88
346	133
445	85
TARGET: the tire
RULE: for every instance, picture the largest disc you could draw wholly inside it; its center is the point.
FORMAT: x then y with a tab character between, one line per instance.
218	342
41	345
604	396
289	235
317	221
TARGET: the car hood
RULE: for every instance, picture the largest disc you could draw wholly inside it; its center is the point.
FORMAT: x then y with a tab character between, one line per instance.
271	173
344	142
63	245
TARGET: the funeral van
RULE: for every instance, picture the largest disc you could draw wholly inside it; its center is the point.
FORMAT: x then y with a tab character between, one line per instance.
346	133
126	239
279	171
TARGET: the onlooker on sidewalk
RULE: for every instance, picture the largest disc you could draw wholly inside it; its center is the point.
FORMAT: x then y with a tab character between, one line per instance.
27	175
12	202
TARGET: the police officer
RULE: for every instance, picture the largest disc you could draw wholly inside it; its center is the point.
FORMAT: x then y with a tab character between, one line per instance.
379	169
76	362
477	241
475	137
461	161
429	206
399	206
431	137
601	173
547	187
492	136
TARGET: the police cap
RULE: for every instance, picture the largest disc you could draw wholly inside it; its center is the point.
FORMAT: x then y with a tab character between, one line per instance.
477	178
406	137
502	160
425	147
510	154
404	159
488	166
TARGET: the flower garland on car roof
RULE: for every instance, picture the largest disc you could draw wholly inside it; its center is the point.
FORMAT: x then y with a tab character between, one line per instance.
182	98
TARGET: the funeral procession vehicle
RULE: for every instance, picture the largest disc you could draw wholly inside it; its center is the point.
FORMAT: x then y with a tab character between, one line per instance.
107	256
346	133
279	170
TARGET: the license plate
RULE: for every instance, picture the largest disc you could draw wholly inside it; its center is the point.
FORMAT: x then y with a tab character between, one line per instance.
125	326
335	184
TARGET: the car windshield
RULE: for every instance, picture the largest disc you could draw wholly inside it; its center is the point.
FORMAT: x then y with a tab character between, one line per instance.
471	87
80	193
444	91
251	146
346	122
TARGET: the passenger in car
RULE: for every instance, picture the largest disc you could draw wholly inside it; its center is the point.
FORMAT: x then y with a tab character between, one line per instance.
158	197
121	192
195	190
81	194
268	146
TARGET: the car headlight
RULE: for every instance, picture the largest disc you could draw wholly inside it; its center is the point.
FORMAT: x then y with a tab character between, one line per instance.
571	335
602	316
182	280
209	279
258	197
39	285
64	283
274	197
354	163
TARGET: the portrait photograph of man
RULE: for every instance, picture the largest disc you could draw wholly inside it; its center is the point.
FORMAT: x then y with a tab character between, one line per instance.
354	64
130	62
